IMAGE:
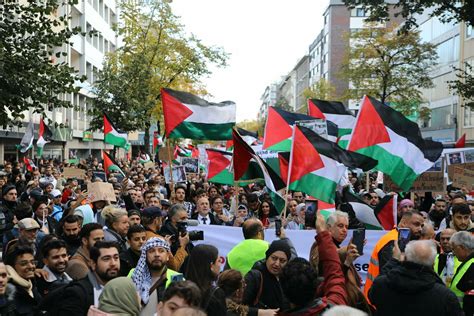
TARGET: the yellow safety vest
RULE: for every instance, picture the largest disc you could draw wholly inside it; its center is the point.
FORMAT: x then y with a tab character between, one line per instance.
457	263
457	277
169	275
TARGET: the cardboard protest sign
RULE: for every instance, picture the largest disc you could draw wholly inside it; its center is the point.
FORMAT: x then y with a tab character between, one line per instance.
101	191
74	173
163	153
426	182
466	166
149	165
463	178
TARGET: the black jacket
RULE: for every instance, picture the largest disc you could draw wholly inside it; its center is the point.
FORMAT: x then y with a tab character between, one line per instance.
128	261
211	217
408	288
25	304
7	302
7	208
169	229
213	302
76	298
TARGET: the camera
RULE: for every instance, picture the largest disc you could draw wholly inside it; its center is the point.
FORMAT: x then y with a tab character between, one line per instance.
193	235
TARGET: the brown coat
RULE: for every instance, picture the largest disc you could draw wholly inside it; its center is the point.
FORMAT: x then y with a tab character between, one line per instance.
78	266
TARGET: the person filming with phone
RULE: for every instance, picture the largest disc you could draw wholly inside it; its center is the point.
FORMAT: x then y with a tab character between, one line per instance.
382	253
407	284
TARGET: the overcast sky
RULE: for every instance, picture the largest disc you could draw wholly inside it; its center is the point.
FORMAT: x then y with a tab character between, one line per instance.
265	40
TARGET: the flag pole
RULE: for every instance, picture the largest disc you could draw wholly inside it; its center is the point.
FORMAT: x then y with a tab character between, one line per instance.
289	171
170	161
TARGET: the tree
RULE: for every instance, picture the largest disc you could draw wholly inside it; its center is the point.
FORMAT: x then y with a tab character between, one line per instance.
390	66
322	90
33	67
156	54
445	10
464	84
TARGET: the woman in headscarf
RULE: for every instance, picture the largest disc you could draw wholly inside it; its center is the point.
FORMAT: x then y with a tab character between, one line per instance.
119	298
298	221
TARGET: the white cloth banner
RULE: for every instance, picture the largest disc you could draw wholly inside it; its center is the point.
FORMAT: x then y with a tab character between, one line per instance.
225	238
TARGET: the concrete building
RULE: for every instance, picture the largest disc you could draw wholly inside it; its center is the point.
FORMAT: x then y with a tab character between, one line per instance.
302	83
268	98
449	118
86	54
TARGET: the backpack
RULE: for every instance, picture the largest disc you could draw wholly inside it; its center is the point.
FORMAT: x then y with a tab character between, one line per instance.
50	305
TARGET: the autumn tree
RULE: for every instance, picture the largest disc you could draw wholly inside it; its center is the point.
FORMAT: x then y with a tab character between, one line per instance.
322	90
33	67
390	66
464	84
156	54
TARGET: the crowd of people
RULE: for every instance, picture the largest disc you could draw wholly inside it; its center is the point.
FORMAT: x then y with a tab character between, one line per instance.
65	253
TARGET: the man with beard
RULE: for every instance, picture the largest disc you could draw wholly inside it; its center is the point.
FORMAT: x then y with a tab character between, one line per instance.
28	233
70	233
80	295
151	276
55	261
384	248
438	213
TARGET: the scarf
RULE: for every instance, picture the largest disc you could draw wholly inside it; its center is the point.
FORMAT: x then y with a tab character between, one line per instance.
141	275
119	297
18	280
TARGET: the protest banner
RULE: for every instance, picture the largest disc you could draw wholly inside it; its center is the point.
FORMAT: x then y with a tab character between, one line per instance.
225	238
426	182
77	173
149	165
101	191
463	178
465	166
191	165
179	174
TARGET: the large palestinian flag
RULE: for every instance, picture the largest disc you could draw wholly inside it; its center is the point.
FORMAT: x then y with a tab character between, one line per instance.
110	165
386	135
114	136
242	158
334	112
382	217
249	137
278	129
219	168
44	136
188	116
283	162
317	164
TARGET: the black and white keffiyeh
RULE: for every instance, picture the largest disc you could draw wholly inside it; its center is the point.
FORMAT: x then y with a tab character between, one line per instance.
141	275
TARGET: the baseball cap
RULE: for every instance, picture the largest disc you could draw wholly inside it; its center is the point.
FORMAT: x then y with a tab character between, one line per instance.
55	193
28	224
165	202
152	212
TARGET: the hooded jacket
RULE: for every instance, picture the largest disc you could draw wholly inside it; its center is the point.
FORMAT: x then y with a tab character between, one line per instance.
7	303
407	288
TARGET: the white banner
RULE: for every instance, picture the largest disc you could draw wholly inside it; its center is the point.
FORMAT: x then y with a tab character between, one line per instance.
225	238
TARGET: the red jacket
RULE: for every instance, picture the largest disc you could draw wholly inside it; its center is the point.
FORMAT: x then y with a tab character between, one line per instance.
332	291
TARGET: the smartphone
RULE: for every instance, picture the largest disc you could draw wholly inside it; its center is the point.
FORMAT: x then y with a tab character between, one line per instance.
403	238
177	278
358	237
278	227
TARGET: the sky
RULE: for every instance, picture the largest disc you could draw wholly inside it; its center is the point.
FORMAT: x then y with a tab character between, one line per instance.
265	40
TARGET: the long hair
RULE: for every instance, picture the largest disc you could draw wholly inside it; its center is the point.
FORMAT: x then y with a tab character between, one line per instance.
199	266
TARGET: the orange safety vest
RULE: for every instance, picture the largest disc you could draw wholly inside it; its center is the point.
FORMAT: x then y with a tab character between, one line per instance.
374	268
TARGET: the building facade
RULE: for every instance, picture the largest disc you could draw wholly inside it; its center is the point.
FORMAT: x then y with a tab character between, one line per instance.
86	55
449	118
268	98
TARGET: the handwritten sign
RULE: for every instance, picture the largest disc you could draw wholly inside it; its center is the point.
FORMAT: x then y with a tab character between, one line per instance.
101	191
77	173
149	165
466	166
426	182
463	178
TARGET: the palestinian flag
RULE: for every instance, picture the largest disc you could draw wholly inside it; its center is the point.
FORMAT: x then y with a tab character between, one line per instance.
334	112
188	116
386	135
382	217
27	141
219	168
44	136
461	143
278	129
29	164
157	142
326	208
284	161
194	151
251	138
181	152
317	164
113	136
242	158
110	165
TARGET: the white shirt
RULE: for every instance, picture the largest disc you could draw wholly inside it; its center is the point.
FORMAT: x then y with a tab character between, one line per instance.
208	220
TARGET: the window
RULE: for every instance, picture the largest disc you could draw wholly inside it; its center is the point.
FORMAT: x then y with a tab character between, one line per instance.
88	36
89	72
106	13
359	12
96	5
469	32
468	116
325	19
441	117
101	43
448	51
101	8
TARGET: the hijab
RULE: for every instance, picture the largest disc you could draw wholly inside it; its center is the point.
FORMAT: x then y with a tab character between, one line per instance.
120	298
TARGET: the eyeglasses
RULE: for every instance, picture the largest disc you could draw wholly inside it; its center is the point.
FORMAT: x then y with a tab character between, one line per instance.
24	263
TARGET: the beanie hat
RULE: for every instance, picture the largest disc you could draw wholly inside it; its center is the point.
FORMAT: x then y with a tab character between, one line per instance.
278	245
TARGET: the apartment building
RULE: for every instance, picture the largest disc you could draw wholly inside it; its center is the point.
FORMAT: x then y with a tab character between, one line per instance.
86	54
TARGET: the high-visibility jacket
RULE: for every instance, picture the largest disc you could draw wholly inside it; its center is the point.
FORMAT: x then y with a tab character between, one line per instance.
243	256
457	263
457	277
169	276
374	268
